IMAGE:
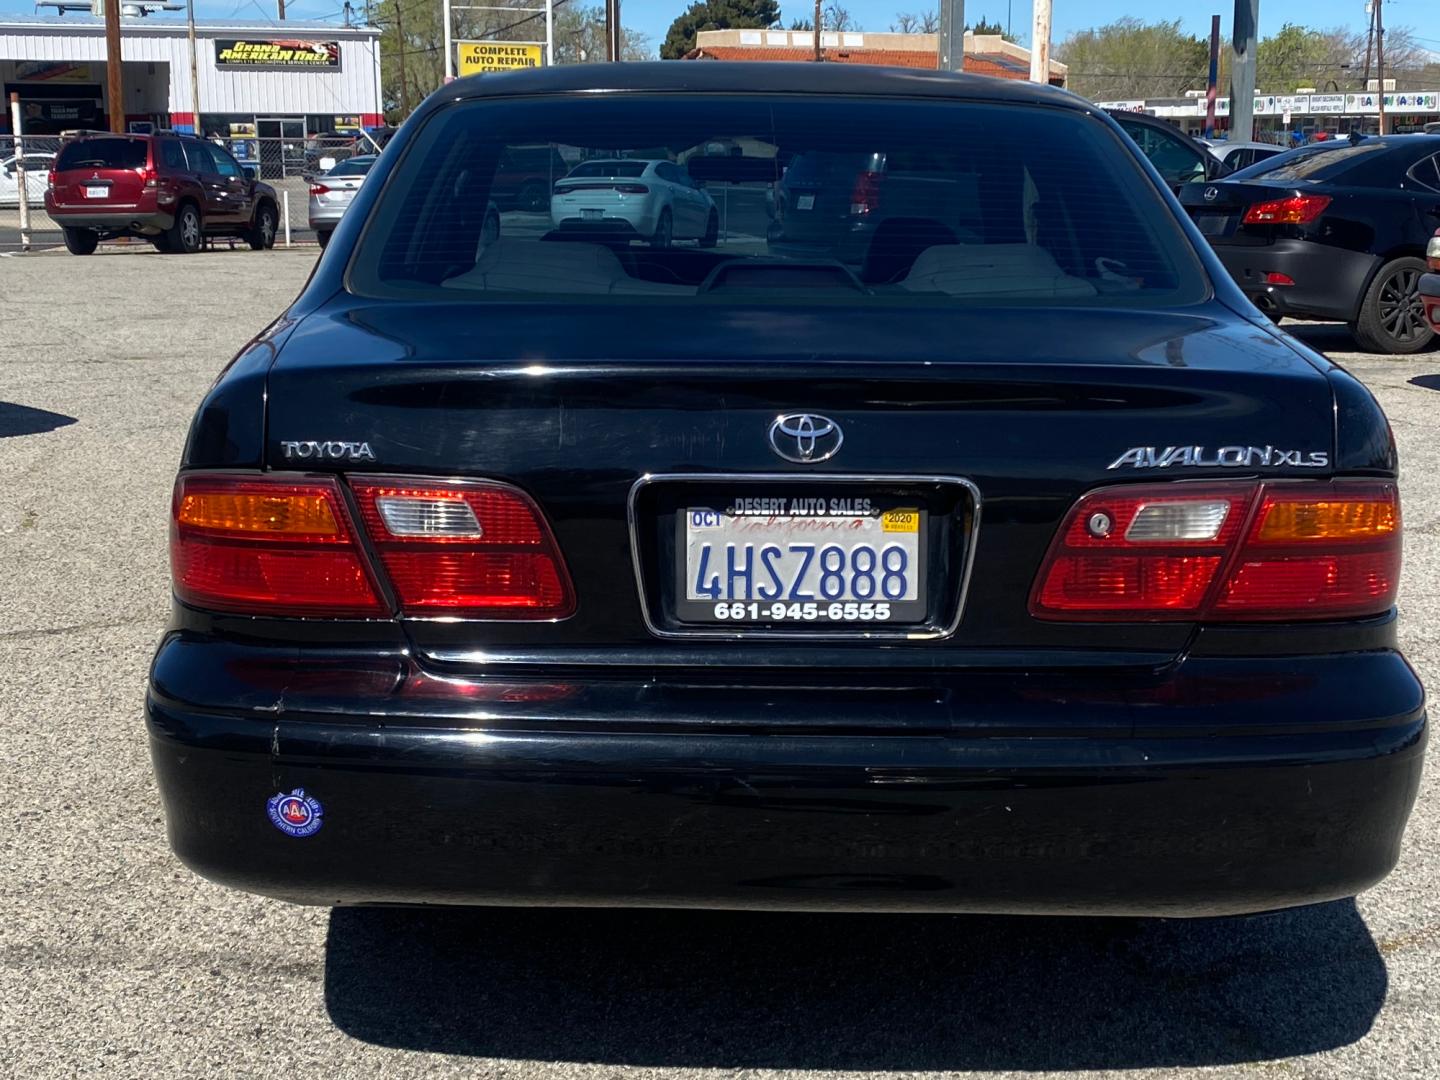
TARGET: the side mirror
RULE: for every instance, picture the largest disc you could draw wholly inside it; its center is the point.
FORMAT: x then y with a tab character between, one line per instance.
252	172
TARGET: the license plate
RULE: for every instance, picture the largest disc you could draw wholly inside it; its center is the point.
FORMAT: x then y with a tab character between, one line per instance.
591	215
96	192
1215	224
804	202
803	559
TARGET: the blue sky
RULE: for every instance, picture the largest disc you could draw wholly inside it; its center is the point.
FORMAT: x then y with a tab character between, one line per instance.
654	16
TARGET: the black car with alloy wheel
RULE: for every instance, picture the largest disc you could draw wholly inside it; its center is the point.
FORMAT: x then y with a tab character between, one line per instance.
1033	571
1336	230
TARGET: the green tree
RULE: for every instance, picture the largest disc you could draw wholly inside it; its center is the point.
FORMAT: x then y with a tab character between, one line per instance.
928	22
1298	56
579	36
716	15
1131	58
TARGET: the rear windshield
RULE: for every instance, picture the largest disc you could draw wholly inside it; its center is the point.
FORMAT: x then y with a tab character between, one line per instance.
352	167
1313	163
116	153
775	200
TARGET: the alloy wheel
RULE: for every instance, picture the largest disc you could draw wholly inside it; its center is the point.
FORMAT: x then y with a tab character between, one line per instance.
190	231
267	228
1402	312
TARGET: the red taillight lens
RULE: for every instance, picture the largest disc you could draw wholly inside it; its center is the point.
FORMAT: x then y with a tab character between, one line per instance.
1274	277
477	549
1298	210
865	195
267	546
1225	551
319	189
1316	551
150	176
632	189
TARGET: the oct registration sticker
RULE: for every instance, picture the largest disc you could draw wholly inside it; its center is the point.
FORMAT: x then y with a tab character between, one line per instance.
802	559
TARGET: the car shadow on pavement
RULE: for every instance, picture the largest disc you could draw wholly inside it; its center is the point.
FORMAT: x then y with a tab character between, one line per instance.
1325	337
23	420
694	988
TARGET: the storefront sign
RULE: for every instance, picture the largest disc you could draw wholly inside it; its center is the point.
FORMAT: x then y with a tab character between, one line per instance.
277	53
1293	103
1327	103
61	114
480	57
45	71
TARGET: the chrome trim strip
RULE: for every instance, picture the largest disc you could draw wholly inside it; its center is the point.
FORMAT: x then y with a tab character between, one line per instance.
934	634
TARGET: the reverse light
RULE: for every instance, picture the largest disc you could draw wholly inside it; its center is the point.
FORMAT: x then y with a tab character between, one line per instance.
478	549
1296	210
266	546
1275	551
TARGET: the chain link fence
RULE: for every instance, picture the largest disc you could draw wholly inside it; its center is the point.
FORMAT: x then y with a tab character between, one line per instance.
287	165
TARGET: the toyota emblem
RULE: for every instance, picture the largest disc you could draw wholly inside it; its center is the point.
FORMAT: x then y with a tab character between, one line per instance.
805	438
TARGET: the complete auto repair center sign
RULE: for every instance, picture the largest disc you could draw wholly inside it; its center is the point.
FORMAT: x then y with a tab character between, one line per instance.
277	53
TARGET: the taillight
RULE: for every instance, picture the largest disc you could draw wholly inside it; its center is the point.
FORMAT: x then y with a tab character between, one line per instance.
1432	252
476	549
632	189
319	189
1297	210
149	175
266	545
1304	550
865	195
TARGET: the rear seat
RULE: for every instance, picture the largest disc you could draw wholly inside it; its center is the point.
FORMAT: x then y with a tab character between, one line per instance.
535	266
997	270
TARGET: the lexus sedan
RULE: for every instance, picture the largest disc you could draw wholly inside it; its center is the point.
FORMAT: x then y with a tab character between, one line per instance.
1336	230
1034	572
655	200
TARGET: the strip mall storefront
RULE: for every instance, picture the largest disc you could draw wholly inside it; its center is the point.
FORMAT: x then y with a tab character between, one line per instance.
266	81
1289	116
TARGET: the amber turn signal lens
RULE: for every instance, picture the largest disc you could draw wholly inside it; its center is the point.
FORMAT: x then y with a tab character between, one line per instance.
1327	520
253	513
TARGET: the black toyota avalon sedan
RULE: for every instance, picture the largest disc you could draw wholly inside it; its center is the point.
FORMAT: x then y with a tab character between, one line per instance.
1019	565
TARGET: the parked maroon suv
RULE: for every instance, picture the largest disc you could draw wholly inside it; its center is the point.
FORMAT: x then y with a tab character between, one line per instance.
172	190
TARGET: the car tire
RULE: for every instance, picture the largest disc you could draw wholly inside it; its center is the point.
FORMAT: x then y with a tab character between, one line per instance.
664	230
712	231
185	236
1392	316
322	238
533	197
490	230
262	233
81	241
161	241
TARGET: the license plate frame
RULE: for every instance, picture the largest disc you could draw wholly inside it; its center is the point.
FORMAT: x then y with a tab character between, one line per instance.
588	213
953	506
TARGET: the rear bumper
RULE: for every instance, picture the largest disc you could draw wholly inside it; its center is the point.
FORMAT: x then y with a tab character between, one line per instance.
1276	789
325	217
147	221
1329	281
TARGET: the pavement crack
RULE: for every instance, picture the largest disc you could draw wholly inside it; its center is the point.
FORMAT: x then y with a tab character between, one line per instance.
52	631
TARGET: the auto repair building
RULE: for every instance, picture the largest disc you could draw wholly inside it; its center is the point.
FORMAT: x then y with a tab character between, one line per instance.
288	78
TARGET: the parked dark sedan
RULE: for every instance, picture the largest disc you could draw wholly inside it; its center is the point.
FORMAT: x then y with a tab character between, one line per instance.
1178	158
1044	575
1336	230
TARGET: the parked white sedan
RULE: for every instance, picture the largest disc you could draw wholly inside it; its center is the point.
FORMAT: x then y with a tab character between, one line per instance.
655	200
37	175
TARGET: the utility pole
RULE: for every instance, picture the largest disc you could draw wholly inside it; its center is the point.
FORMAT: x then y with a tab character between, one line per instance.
400	33
449	46
952	35
1040	44
1212	87
194	66
281	4
1243	44
114	84
1369	47
1380	59
819	21
614	50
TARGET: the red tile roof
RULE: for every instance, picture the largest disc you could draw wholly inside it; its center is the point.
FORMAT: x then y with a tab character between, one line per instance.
1000	66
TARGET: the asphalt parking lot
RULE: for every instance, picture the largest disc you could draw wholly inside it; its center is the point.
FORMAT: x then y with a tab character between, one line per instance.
118	960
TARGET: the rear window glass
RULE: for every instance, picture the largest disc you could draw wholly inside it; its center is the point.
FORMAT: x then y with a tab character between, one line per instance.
1319	162
117	153
352	167
773	200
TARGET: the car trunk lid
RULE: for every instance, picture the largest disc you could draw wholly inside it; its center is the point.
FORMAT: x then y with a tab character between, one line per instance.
1015	426
1219	210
